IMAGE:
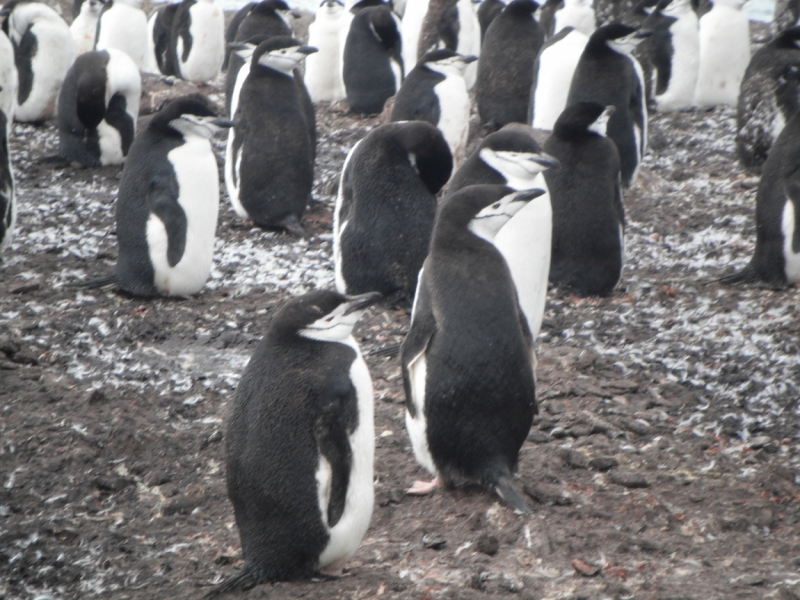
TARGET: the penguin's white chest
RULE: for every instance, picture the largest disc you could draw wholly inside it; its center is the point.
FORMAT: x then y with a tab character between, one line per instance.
323	73
196	173
233	160
339	225
469	39
724	54
125	28
84	30
417	426
454	114
411	28
788	229
679	94
207	53
580	17
639	133
556	67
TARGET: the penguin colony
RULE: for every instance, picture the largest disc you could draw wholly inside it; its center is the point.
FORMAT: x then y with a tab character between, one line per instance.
467	244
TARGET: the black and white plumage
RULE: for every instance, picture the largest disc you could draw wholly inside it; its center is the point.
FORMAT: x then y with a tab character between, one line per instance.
411	26
300	442
776	259
8	95
785	15
608	74
323	72
123	25
468	361
436	91
159	58
578	14
386	207
198	40
459	31
488	11
98	107
43	52
269	162
233	26
168	203
373	62
85	15
505	66
586	195
768	97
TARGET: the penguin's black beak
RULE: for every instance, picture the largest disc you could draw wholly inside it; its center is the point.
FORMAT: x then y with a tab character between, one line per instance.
643	33
551	162
307	50
225	123
296	13
610	110
528	195
361	302
469	59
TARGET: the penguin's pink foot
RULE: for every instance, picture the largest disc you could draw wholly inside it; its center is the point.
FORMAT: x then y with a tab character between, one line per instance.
423	488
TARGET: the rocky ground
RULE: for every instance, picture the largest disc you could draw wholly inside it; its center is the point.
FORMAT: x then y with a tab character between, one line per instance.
665	462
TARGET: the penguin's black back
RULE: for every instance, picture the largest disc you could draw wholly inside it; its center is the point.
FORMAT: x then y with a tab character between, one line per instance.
163	38
82	107
416	100
181	24
23	60
658	49
6	180
233	27
488	11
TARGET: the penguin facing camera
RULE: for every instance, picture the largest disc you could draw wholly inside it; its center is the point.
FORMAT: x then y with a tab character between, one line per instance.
323	74
85	14
8	95
198	40
123	25
301	441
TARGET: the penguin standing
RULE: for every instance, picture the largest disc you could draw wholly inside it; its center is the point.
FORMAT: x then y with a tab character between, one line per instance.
724	54
8	96
98	107
385	209
43	52
468	360
488	11
776	260
233	26
768	97
411	30
301	441
578	14
123	25
459	31
168	203
198	33
586	195
323	74
269	164
674	52
435	91
608	74
86	13
552	76
505	66
373	62
159	58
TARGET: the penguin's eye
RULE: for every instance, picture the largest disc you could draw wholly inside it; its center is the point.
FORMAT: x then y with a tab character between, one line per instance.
496	205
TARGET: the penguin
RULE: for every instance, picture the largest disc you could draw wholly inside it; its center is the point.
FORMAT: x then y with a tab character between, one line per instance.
546	15
505	66
233	26
168	203
468	360
586	196
411	30
459	31
323	74
578	14
488	10
674	52
269	162
98	107
724	54
385	209
372	64
552	76
86	13
123	25
786	14
608	74
300	443
609	11
159	58
43	52
435	91
767	98
198	35
776	260
8	95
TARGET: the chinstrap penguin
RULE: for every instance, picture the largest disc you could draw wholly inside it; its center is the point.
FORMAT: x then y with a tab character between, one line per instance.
488	11
459	31
233	26
123	25
198	40
323	73
578	14
86	13
8	96
159	57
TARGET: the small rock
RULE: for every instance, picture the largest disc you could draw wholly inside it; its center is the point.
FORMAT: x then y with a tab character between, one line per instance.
575	458
603	463
545	493
733	523
628	479
580	430
584	568
26	287
97	396
538	437
554	407
760	441
215	437
488	544
637	426
434	541
558	433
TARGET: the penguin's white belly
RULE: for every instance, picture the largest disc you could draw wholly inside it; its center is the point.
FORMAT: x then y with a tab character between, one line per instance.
556	68
417	426
469	39
640	133
411	29
8	81
580	17
84	30
207	31
724	54
110	142
196	171
125	28
150	61
348	532
792	258
526	244
323	75
233	166
454	115
679	94
339	226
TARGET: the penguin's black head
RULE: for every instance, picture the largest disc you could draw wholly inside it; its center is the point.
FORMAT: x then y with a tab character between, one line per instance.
331	7
789	38
271	7
521	8
582	118
280	53
427	150
514	153
446	62
618	37
187	116
321	315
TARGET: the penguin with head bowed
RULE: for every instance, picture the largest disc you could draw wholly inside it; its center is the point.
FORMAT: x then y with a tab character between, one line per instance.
768	97
488	11
776	259
159	57
468	360
269	164
85	14
123	25
198	40
505	66
386	207
98	107
168	203
459	31
586	196
608	74
435	91
323	73
8	96
43	52
300	443
373	62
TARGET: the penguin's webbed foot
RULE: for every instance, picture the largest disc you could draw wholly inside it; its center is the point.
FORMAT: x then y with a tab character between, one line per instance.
423	488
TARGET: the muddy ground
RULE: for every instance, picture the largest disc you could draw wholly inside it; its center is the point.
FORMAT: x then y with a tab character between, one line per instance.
664	463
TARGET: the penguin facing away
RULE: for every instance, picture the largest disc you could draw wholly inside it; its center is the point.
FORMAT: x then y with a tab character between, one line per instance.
8	96
123	25
43	52
468	360
168	203
586	195
608	74
300	443
386	207
435	91
488	11
84	24
159	57
198	33
776	259
323	73
98	107
233	26
270	160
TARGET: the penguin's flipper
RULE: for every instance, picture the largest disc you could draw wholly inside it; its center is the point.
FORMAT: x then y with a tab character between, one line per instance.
243	580
119	119
23	59
181	29
504	487
162	200
420	333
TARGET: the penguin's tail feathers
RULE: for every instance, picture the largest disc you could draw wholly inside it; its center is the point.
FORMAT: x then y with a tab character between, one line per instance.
746	275
504	487
292	225
243	580
392	350
105	281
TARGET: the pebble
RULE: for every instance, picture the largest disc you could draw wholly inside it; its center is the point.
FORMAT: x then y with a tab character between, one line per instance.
545	493
603	463
760	441
538	437
488	544
628	479
433	541
584	568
